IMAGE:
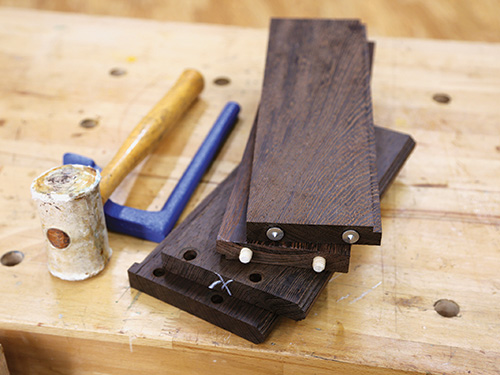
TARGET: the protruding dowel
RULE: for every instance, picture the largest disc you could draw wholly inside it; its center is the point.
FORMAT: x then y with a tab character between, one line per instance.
245	255
70	209
319	264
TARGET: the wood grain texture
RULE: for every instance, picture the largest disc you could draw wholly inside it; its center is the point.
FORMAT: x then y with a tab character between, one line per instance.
4	370
214	306
189	252
443	19
287	291
232	233
393	148
313	172
378	319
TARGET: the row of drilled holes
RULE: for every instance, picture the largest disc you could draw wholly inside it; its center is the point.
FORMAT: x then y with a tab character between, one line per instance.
443	307
117	72
191	254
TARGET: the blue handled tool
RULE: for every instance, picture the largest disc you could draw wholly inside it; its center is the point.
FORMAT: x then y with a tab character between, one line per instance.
155	225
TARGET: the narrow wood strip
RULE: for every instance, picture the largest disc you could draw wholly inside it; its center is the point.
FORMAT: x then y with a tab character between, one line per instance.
314	173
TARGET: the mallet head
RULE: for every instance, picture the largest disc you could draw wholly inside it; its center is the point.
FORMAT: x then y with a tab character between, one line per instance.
72	216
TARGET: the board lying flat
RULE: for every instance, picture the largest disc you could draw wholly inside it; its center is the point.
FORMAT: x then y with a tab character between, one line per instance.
190	252
314	173
393	148
243	319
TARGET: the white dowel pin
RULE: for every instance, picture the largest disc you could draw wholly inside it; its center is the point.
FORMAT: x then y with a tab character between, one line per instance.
245	255
319	264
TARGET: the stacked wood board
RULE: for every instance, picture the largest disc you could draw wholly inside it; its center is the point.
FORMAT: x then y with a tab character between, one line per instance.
312	169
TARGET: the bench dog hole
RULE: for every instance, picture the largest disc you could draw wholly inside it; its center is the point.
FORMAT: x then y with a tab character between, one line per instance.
117	72
447	308
441	98
12	258
222	81
89	123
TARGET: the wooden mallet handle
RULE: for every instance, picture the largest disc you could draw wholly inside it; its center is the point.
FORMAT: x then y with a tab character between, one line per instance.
149	132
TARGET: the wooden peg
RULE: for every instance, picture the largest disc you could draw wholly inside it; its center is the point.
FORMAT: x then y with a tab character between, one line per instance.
319	264
245	255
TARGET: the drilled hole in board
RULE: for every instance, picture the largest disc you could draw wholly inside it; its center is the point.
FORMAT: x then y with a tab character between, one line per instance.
255	277
222	81
12	258
190	254
216	298
447	308
117	72
89	123
441	98
159	272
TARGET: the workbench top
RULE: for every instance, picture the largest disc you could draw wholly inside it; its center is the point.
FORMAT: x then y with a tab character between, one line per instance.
441	216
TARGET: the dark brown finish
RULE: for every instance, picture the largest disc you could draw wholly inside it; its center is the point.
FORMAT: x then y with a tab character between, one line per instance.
214	306
232	233
190	253
393	149
314	173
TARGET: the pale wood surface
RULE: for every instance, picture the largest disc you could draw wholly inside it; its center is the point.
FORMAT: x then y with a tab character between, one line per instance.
3	364
440	218
440	19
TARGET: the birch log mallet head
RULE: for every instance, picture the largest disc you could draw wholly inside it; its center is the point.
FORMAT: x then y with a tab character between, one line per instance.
70	197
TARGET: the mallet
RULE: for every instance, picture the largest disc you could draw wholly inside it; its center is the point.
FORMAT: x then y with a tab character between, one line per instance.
70	203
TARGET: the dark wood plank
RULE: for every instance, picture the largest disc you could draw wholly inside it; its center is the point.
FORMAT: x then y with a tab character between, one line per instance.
393	149
313	171
189	251
237	316
232	233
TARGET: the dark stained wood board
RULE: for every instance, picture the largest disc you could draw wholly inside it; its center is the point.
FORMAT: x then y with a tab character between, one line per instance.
314	173
237	316
393	149
190	253
232	233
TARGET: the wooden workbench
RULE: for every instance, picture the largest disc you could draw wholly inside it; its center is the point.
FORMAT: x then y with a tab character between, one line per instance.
441	217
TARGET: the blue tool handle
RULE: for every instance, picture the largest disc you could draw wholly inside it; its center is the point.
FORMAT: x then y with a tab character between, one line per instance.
201	161
156	225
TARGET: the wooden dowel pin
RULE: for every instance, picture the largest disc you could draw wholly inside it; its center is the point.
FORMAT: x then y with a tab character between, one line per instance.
245	255
319	264
70	203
